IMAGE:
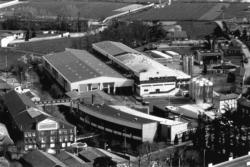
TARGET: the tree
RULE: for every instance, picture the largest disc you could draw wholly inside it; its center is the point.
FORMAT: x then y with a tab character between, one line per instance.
27	35
104	162
176	139
183	137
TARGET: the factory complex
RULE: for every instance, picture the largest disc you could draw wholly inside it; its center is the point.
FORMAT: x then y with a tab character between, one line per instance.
151	77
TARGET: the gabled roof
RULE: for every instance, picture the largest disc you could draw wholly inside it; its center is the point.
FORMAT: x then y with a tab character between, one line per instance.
70	160
77	65
39	158
115	48
23	110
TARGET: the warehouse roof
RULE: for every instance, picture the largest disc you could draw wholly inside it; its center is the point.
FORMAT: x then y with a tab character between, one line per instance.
114	48
135	61
115	113
239	162
76	65
39	158
135	113
70	160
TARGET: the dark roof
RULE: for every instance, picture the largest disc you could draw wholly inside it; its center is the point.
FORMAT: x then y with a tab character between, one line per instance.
90	154
4	85
39	158
116	114
114	48
77	65
244	102
228	96
70	160
16	102
23	110
177	34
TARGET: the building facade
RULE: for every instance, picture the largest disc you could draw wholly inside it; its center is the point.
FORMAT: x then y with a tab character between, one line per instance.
78	70
35	128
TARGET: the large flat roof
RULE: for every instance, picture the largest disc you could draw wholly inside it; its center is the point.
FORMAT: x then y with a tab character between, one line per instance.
77	65
139	114
135	61
114	113
115	48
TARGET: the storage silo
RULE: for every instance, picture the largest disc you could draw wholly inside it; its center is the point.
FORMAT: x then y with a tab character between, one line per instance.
194	80
190	65
200	92
185	64
209	92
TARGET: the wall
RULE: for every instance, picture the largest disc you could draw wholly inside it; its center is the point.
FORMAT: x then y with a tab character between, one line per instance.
163	87
149	131
177	129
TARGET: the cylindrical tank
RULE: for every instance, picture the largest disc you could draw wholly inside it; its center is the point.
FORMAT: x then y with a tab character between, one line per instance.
185	64
209	92
195	80
190	65
200	92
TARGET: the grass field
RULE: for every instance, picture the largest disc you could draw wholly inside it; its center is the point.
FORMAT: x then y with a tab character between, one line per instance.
180	11
46	46
87	10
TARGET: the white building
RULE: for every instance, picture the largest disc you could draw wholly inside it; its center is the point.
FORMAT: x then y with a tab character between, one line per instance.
151	78
78	70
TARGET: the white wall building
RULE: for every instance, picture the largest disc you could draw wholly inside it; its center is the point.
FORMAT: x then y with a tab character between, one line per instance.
78	70
151	78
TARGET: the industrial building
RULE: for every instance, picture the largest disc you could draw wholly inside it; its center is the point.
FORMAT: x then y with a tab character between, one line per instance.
188	64
35	128
80	71
124	121
208	57
225	101
151	77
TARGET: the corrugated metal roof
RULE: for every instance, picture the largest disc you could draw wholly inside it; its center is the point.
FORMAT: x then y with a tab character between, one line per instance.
76	65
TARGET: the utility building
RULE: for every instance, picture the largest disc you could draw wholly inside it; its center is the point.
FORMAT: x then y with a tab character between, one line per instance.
78	70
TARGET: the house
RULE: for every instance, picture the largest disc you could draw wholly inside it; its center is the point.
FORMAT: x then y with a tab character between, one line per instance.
224	102
34	127
80	71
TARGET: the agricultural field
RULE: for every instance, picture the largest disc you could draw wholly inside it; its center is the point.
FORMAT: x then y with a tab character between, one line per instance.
85	10
46	46
187	11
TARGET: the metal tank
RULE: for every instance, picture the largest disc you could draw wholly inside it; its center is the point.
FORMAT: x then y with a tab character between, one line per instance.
209	92
194	80
200	92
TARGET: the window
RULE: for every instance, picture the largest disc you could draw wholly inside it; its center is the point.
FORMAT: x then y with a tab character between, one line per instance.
145	90
43	139
26	147
66	138
53	132
71	131
68	144
29	134
43	145
42	133
63	145
60	138
60	131
33	134
25	134
52	139
71	138
52	145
